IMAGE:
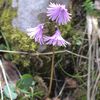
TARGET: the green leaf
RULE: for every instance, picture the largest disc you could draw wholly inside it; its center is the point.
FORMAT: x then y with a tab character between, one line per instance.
78	42
88	6
2	47
25	82
12	90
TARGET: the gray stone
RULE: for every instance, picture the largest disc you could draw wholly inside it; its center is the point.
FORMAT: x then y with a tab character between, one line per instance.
97	4
29	12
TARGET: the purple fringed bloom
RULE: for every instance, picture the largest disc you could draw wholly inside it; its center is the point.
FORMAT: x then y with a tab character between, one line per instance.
58	13
36	33
56	39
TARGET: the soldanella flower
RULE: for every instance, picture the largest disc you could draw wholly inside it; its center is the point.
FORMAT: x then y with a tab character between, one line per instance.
56	39
58	13
36	33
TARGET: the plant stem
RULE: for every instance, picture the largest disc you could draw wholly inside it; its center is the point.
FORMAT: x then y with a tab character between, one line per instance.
52	72
1	91
4	74
89	71
6	42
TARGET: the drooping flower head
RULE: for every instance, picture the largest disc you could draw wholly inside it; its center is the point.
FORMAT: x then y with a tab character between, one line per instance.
36	33
58	13
56	39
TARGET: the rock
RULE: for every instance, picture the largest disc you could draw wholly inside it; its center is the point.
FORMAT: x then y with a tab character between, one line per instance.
97	4
27	13
30	11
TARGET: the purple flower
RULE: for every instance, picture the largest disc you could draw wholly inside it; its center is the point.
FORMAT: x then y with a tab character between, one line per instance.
56	39
36	33
58	13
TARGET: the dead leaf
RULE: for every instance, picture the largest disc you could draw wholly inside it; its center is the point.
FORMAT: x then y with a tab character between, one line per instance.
11	72
56	98
47	99
71	83
69	98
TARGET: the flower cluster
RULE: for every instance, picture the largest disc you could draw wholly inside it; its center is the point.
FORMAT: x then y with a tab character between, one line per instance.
58	13
56	39
55	12
36	33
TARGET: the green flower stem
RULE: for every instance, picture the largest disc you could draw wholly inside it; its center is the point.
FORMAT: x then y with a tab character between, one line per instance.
7	44
52	72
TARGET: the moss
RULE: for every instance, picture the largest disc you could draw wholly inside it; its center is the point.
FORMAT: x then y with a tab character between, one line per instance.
16	39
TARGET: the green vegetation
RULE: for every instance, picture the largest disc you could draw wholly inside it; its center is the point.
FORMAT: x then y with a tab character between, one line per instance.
15	40
71	63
